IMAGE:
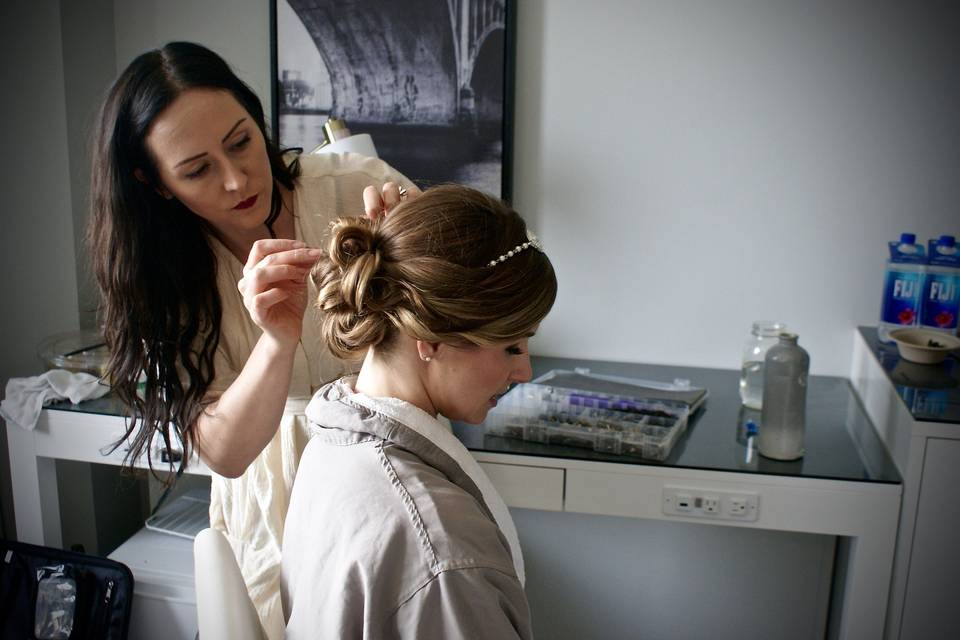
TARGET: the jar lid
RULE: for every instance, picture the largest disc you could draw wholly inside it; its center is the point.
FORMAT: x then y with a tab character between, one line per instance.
768	328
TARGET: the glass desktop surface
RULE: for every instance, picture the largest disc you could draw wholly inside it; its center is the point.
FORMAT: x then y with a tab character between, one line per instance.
931	392
108	405
840	441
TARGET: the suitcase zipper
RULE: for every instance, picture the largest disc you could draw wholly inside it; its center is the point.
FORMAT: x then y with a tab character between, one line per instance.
105	614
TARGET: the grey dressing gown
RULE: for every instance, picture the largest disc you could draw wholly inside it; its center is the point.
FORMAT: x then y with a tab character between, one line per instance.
389	533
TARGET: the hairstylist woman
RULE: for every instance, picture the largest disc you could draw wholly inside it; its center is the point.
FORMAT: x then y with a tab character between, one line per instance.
190	198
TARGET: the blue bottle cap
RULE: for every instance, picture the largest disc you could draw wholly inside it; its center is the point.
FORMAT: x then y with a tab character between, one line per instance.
946	241
751	427
908	238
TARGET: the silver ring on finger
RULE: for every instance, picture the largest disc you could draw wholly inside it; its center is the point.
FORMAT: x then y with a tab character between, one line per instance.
403	193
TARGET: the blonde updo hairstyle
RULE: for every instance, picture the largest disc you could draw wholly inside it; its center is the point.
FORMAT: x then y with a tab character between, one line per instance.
425	271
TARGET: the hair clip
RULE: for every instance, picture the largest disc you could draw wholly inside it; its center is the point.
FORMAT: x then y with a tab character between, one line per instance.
532	241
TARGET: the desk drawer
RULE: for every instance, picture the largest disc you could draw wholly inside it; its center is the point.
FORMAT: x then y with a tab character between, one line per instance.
613	494
527	487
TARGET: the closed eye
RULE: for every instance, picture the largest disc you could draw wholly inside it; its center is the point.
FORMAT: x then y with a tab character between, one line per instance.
515	350
198	172
240	144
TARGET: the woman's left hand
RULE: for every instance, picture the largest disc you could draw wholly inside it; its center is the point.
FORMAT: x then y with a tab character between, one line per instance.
380	202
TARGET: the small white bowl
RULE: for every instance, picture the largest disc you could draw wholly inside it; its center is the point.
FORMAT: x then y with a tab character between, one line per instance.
924	346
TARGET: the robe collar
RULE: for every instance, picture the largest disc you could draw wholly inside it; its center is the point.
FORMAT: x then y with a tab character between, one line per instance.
337	405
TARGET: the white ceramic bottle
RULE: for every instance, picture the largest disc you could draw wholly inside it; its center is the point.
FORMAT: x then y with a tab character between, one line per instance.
782	422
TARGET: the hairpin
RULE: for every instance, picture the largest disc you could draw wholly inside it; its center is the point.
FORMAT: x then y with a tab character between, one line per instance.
532	241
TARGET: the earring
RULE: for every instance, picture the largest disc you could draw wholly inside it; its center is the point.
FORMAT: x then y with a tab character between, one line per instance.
427	358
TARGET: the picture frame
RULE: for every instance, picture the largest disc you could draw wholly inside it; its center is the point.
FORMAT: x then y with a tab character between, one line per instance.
394	70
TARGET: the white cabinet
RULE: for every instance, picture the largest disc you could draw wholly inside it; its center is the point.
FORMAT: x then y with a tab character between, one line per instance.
933	584
926	575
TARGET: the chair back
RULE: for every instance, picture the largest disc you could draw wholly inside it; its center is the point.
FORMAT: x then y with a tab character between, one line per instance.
224	608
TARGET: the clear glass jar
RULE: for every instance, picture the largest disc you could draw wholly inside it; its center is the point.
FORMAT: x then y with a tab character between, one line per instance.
763	335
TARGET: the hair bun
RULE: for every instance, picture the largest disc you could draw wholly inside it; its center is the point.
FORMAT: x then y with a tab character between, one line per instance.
353	248
424	272
350	239
346	280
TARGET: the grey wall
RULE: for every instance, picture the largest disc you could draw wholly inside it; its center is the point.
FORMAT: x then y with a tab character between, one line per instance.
65	59
691	165
89	60
238	30
695	165
38	288
603	577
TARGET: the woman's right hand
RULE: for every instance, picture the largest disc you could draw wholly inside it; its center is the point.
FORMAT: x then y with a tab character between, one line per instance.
274	287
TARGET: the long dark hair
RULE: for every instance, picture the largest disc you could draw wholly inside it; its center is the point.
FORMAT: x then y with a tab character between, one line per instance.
152	256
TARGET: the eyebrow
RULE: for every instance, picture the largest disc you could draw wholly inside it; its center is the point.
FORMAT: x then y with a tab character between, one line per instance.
200	155
232	129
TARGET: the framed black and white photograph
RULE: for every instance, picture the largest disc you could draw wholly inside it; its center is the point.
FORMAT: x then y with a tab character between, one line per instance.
431	81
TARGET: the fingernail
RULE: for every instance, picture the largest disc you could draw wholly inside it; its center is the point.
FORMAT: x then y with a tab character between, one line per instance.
299	245
315	253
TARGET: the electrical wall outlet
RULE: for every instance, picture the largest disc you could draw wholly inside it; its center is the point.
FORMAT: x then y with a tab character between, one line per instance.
738	506
710	503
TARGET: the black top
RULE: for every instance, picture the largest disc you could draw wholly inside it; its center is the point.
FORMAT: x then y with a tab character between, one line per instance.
931	392
840	441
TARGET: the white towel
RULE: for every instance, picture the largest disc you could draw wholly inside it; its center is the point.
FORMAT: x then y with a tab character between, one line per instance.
26	397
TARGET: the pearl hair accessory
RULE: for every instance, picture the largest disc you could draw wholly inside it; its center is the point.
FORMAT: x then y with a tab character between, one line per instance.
532	241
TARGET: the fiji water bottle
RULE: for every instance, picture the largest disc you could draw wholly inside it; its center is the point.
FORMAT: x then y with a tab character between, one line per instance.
940	300
902	287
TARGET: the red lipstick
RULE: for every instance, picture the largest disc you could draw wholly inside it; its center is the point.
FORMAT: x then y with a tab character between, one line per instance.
246	204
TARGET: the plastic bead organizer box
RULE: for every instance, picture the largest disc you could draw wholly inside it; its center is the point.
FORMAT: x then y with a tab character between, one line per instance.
608	414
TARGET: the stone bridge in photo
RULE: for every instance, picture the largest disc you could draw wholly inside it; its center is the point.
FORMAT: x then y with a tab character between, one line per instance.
425	63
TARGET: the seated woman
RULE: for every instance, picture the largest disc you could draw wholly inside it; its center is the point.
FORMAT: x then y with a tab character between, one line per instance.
393	530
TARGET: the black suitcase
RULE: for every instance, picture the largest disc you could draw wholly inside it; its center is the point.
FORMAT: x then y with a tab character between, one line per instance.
43	589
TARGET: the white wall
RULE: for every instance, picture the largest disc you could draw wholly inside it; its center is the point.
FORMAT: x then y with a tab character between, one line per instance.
695	165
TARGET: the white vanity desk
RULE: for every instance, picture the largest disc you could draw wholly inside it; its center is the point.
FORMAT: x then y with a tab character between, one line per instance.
846	485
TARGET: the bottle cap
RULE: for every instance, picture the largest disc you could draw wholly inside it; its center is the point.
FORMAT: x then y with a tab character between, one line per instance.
908	238
946	241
